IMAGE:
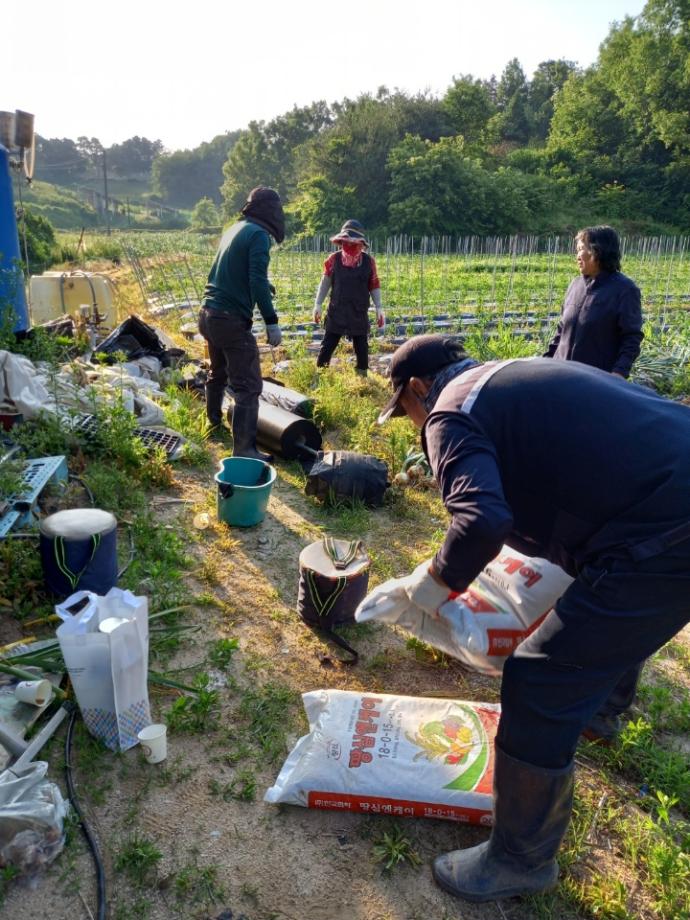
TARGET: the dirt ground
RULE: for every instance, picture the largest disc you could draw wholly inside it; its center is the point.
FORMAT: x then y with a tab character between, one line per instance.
270	862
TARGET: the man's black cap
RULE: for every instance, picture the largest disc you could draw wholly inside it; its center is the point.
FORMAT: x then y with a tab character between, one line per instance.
420	356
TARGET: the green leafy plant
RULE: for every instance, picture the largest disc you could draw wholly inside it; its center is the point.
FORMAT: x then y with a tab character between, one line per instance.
7	874
221	652
265	713
198	713
393	848
138	859
198	884
241	788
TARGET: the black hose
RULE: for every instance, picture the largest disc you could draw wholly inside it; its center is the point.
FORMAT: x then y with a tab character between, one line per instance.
86	830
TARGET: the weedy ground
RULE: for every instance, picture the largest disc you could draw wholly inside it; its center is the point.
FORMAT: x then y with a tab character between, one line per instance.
192	837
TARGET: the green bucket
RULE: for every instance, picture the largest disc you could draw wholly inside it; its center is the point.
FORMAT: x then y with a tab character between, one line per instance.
244	487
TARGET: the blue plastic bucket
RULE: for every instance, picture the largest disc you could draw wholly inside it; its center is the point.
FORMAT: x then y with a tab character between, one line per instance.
244	487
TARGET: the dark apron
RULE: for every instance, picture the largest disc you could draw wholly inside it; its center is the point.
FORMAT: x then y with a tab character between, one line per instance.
348	309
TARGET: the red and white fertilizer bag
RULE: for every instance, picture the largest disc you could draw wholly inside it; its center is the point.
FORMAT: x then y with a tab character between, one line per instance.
482	626
392	755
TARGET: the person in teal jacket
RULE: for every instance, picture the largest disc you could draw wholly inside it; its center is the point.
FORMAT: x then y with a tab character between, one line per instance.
238	281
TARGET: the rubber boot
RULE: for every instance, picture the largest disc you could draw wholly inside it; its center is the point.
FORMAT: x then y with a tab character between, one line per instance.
532	808
604	727
214	409
361	371
244	422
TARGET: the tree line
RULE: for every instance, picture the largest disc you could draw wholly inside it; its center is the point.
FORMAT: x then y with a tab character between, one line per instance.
565	147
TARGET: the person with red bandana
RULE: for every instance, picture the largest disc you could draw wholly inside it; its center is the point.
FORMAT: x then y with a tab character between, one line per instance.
350	276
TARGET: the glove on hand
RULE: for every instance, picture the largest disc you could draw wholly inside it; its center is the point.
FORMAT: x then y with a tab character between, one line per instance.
274	335
272	288
380	318
389	600
316	315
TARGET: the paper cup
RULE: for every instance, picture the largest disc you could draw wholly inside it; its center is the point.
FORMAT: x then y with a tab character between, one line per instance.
111	623
35	692
154	742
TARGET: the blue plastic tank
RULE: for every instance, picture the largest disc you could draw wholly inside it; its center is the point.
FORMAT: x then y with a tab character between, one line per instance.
12	294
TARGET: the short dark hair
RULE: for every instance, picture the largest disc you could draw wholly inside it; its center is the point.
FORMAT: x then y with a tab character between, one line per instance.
605	246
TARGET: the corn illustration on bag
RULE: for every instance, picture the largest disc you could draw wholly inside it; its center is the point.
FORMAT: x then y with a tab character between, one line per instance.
395	755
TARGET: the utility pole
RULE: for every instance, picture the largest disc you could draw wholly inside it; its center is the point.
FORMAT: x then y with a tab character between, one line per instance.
105	188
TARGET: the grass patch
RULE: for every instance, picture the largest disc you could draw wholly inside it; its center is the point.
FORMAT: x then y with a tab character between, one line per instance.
667	705
197	713
221	652
7	874
241	788
94	763
393	848
195	884
265	712
639	756
138	859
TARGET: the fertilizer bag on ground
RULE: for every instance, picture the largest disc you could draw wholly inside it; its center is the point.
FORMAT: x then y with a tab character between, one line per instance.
483	626
393	755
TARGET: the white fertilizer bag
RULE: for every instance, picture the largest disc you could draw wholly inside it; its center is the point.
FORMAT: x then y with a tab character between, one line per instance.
392	755
484	625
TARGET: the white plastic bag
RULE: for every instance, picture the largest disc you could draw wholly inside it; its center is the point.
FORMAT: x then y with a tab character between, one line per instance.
394	755
108	670
32	811
485	624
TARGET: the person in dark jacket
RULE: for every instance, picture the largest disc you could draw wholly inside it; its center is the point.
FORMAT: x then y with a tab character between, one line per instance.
601	319
569	463
237	281
350	276
601	325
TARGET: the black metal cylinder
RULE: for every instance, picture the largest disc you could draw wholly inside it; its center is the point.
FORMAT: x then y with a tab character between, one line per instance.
285	433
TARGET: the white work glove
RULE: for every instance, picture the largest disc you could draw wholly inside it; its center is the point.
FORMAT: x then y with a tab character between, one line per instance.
380	318
316	315
389	600
273	334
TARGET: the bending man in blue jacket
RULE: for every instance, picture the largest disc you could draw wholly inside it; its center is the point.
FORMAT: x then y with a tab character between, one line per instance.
572	464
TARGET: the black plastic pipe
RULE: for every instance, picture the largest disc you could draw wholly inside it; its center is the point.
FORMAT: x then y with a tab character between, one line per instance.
282	432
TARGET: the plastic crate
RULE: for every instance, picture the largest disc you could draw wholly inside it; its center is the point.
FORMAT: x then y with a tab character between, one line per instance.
37	474
170	441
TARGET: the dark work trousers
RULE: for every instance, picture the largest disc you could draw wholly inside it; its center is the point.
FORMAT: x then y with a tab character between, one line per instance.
623	694
587	651
234	358
360	343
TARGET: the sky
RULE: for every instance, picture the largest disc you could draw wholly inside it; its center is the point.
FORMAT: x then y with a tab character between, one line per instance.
185	73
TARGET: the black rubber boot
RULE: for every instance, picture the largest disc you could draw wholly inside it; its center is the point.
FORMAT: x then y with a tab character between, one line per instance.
244	422
603	728
214	407
532	808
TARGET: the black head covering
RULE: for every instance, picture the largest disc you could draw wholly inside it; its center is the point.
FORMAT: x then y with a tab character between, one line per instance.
264	207
420	356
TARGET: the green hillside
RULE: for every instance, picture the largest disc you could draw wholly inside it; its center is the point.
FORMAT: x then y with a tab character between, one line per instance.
60	205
